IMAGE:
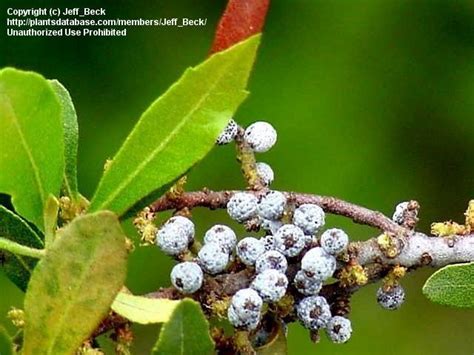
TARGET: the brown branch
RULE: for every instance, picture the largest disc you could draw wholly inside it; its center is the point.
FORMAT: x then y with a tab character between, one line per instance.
219	199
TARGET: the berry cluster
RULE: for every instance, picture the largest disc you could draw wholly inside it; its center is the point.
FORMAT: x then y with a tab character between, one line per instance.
293	237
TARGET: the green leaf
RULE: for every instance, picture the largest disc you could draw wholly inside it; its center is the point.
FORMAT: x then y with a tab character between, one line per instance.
18	268
71	137
144	310
73	286
31	142
6	345
187	332
452	286
177	130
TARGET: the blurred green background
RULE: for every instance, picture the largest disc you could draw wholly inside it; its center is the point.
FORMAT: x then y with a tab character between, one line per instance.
373	102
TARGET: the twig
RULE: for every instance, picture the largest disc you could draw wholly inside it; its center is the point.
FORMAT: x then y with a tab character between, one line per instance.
219	199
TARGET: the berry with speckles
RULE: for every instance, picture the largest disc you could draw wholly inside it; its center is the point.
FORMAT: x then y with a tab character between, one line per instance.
228	134
308	286
290	240
313	312
185	223
270	284
310	218
334	241
261	136
339	329
391	299
242	206
272	205
249	249
172	239
271	259
222	235
187	277
265	173
212	258
399	214
316	263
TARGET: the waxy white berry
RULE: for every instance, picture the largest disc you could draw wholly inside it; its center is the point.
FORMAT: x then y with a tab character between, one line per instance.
187	277
242	206
310	218
261	136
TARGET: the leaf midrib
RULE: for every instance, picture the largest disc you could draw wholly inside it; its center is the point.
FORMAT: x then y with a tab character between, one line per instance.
165	142
24	144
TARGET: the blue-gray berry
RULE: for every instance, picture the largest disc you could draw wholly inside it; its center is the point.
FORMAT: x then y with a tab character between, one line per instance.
313	312
247	302
289	240
316	263
212	258
271	259
222	235
172	239
242	206
238	321
334	241
187	277
270	284
261	136
185	223
272	205
249	249
265	173
391	299
228	134
310	218
339	329
308	286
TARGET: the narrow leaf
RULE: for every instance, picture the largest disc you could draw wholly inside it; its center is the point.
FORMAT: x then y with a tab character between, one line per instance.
17	268
71	137
73	286
6	345
177	130
144	310
452	286
31	142
187	332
